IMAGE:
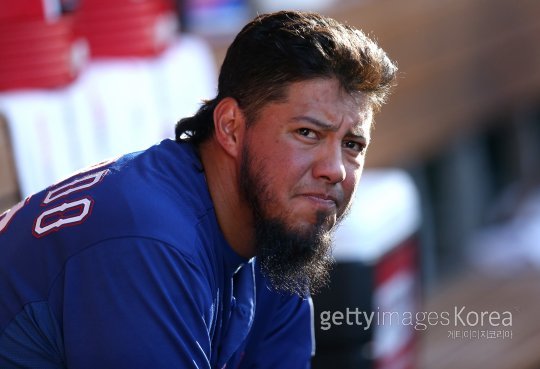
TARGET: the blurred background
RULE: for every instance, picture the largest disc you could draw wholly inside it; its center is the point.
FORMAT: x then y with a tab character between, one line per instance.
448	212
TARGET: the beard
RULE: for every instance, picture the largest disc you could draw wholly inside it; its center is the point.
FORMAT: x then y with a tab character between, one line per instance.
295	261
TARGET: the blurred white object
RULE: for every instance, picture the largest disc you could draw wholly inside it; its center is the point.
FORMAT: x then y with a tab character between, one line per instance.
40	137
183	76
386	211
116	106
121	105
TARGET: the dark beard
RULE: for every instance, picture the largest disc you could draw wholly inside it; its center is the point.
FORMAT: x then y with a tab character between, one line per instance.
294	261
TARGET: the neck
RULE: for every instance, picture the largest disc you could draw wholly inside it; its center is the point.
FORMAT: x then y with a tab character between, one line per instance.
232	212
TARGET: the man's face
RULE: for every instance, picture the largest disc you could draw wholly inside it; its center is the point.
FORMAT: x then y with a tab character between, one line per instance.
302	159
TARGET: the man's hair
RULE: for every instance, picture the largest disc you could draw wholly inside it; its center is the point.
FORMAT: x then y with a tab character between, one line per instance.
275	50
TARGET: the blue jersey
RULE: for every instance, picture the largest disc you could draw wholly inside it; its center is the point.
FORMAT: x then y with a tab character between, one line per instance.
124	266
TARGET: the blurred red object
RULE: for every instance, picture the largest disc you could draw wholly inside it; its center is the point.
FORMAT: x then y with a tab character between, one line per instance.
124	28
29	10
39	53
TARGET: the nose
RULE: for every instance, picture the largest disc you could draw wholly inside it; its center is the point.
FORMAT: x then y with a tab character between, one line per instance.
329	165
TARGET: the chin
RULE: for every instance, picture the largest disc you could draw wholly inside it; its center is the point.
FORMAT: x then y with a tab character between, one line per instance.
319	222
295	257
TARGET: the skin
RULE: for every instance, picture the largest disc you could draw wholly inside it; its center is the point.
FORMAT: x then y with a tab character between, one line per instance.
310	150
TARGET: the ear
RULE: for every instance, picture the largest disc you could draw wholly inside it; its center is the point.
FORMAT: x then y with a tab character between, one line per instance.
229	124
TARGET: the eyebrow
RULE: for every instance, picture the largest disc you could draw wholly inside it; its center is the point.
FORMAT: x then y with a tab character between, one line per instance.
329	127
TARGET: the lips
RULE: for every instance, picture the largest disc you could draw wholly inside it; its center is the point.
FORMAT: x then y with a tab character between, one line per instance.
325	200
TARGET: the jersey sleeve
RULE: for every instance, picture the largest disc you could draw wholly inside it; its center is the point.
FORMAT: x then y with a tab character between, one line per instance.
283	337
135	303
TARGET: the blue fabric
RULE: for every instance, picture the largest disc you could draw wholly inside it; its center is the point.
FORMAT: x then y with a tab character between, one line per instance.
124	266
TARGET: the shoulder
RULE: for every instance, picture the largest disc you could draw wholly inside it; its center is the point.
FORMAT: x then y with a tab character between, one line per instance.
158	193
156	196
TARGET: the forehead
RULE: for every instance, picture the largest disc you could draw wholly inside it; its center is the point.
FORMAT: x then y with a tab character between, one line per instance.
324	99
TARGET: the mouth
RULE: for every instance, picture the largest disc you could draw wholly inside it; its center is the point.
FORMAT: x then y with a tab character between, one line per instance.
322	201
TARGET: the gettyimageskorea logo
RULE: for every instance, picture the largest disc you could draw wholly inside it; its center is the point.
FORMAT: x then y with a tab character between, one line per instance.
459	321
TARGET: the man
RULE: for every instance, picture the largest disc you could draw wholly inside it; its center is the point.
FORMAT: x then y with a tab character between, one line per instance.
201	253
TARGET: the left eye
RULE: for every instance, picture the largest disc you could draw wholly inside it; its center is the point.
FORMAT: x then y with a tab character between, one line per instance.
306	132
353	145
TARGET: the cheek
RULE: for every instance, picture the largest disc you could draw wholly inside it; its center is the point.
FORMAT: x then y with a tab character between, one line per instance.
348	191
273	166
351	181
284	177
285	165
